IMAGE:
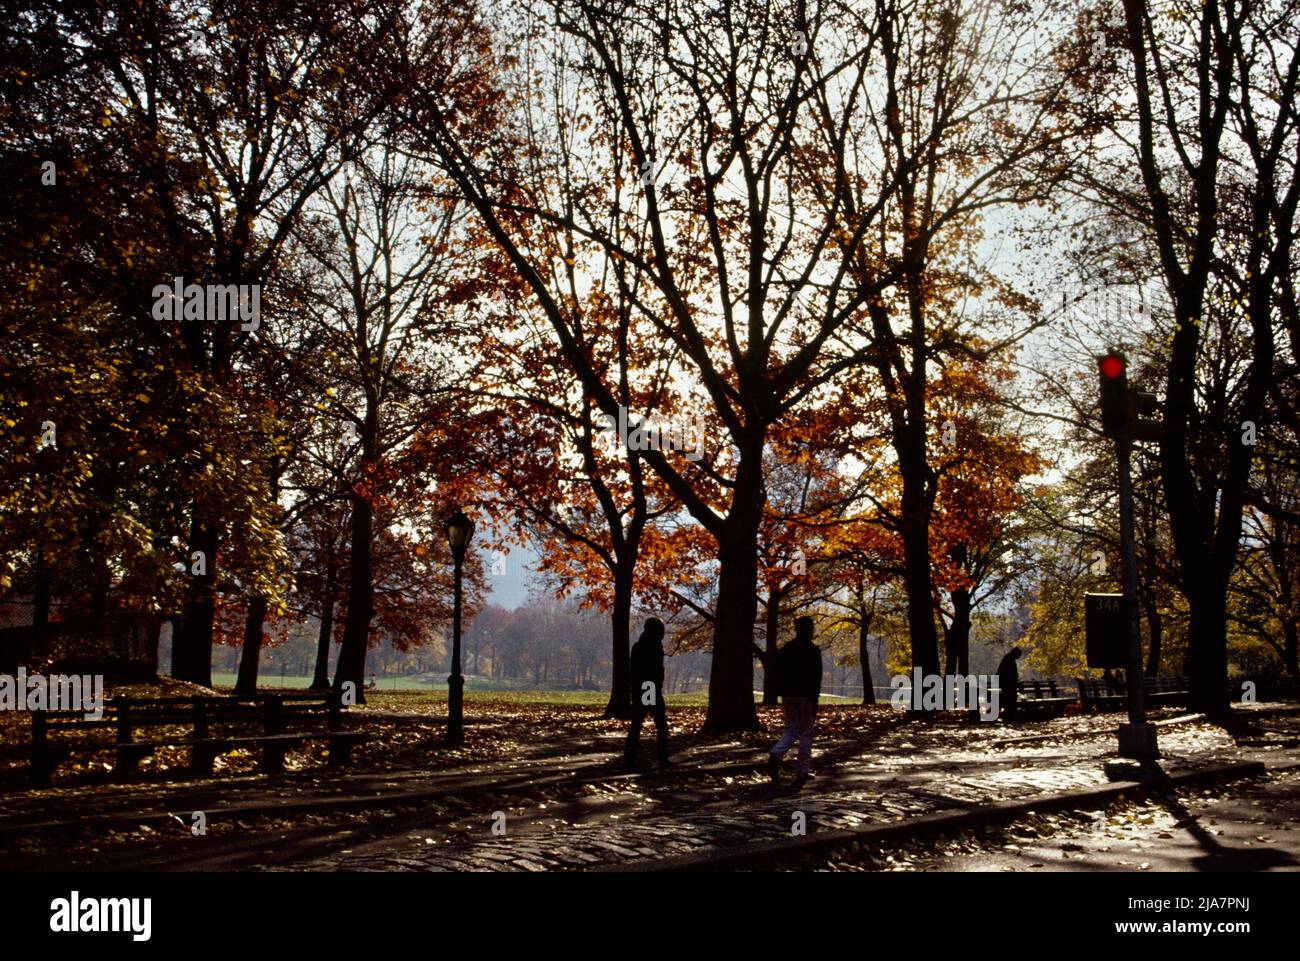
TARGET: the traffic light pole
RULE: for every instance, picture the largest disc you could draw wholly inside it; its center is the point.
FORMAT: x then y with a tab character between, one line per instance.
1137	738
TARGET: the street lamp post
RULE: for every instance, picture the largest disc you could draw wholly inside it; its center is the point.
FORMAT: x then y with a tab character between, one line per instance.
459	530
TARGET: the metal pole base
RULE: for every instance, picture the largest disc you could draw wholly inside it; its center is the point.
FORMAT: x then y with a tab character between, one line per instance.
1138	741
455	709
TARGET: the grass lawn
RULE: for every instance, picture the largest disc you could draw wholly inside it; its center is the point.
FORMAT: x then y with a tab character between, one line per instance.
408	692
409	699
271	680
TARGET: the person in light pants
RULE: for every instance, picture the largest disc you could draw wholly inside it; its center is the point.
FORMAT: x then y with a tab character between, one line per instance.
799	682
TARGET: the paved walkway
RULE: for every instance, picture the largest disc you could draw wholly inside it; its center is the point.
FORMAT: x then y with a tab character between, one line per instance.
1256	827
576	812
891	781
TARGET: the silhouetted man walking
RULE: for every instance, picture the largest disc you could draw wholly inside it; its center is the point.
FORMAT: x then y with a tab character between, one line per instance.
1008	675
647	670
799	682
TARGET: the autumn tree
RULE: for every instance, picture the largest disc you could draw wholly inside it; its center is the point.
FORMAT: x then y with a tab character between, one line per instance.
981	475
1200	98
122	461
806	491
569	476
964	118
1265	588
383	303
229	117
718	169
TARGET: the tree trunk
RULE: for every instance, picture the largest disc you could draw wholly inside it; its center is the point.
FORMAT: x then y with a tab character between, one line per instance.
619	705
1207	643
192	635
356	632
41	608
957	637
1155	626
321	680
151	643
917	505
246	683
920	594
1292	632
731	676
864	658
773	621
102	578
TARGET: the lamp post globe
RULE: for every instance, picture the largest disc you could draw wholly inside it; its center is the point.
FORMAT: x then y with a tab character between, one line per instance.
459	530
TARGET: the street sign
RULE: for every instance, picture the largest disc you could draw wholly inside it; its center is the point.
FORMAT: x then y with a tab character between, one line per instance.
1106	627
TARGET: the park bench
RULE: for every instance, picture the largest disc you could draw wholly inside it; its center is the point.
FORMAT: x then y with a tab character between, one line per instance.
1165	690
1040	699
1096	694
208	726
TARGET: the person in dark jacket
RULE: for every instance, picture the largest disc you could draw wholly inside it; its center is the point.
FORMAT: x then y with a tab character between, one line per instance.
799	682
1008	675
647	671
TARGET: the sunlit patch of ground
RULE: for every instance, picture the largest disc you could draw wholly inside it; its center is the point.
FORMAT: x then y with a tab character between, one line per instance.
1249	825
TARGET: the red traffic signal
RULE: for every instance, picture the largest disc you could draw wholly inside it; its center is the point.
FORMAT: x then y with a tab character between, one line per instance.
1113	368
1125	414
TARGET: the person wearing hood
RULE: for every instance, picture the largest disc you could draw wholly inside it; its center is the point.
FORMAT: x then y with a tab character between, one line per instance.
646	665
1008	675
